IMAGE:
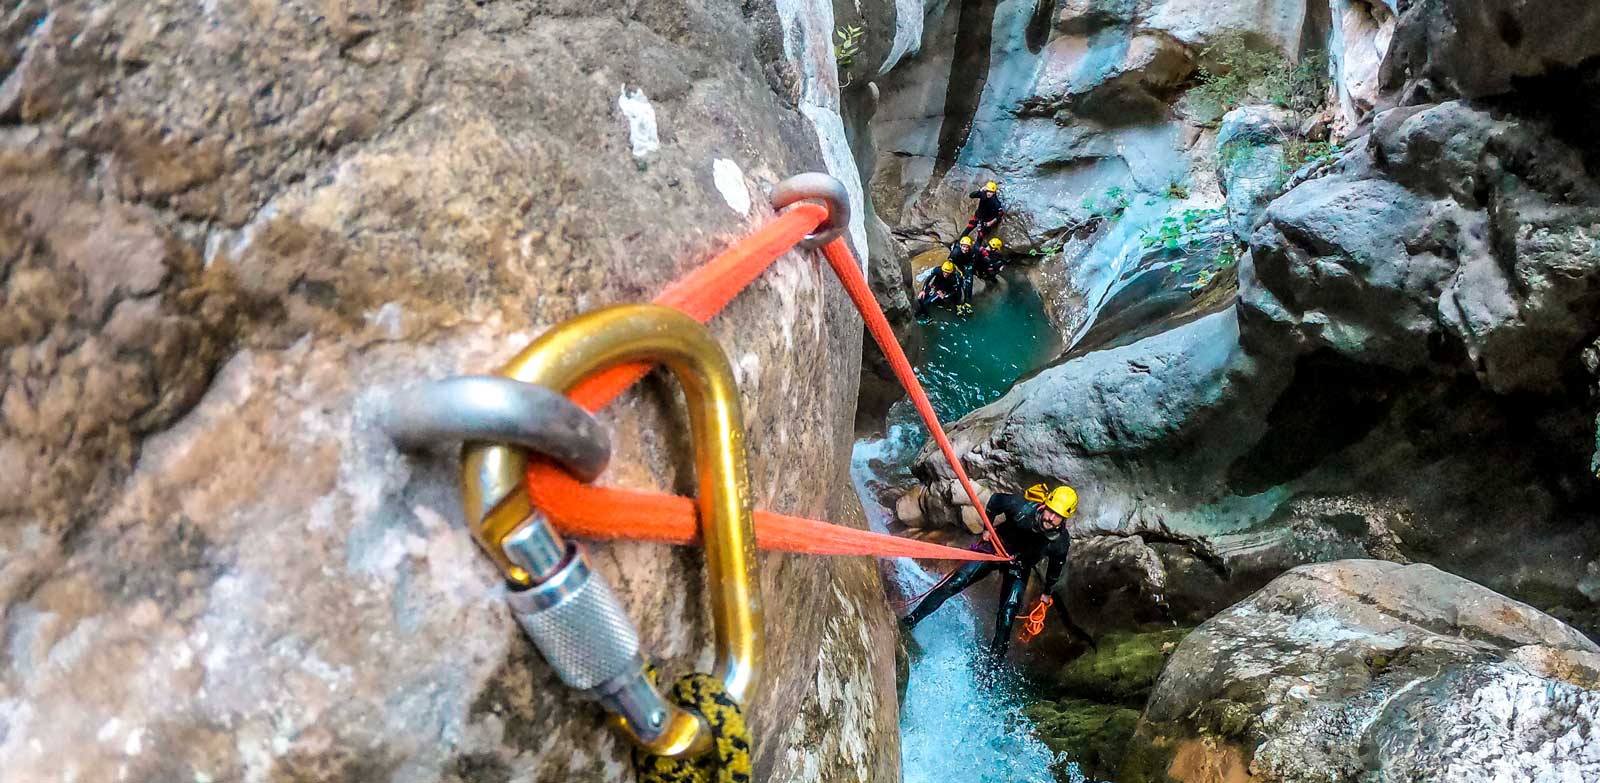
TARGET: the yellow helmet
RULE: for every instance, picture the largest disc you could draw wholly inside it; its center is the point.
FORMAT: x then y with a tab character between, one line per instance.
992	186
966	241
949	266
995	243
1063	500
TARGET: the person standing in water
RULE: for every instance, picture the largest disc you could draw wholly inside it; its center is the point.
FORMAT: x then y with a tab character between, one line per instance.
1032	530
964	254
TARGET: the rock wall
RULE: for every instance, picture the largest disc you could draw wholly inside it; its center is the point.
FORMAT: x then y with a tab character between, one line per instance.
225	228
1364	670
1407	373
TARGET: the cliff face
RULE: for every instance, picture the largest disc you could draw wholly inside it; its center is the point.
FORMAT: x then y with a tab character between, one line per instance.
1405	370
224	228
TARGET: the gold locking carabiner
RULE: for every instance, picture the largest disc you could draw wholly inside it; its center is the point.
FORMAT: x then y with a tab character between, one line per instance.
496	499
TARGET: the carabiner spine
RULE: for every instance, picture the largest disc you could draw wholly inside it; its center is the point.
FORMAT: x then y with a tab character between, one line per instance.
496	500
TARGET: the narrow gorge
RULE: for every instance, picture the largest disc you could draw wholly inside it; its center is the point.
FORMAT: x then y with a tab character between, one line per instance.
1302	297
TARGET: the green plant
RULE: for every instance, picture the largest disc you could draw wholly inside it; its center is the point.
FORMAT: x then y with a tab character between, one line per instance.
1298	152
1226	257
1234	73
847	44
1177	232
1110	206
1178	191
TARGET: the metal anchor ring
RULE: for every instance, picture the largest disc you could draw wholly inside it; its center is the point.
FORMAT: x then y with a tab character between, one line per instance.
504	521
496	409
827	189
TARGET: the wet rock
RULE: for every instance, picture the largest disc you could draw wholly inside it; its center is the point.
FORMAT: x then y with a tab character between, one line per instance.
1336	669
225	227
1252	164
1094	701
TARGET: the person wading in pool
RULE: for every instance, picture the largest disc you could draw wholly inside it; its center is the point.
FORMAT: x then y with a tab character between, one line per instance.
1033	529
942	286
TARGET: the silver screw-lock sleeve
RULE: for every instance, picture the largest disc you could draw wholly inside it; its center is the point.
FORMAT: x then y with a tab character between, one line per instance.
587	637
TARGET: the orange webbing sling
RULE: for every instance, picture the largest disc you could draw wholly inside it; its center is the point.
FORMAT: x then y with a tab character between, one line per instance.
590	511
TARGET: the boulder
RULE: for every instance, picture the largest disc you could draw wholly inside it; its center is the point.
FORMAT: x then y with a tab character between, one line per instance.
1454	240
225	228
1252	165
1480	48
1336	671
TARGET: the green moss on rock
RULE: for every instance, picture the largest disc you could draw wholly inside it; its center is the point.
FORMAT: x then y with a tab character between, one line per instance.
1098	698
1123	670
1090	733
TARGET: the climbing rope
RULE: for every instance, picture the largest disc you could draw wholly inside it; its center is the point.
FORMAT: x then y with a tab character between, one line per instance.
1033	622
564	605
729	760
599	512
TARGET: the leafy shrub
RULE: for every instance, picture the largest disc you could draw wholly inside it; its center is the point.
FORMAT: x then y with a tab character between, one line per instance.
1109	206
1236	73
1298	152
1178	232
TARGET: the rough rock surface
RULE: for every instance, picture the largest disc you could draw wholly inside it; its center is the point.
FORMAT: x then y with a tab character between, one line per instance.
1251	161
224	226
1358	42
1367	670
1481	48
1456	238
1407	363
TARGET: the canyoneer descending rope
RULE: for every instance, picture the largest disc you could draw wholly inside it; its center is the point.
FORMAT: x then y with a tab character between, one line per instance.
1034	530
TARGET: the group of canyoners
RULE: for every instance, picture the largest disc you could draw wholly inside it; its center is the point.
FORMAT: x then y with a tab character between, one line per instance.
970	257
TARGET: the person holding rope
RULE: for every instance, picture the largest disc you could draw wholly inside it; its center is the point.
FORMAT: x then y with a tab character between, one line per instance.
1034	529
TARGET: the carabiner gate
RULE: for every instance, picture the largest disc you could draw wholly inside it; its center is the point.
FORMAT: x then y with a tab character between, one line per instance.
531	555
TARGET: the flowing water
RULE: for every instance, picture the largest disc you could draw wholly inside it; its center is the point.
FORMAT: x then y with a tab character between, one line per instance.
957	722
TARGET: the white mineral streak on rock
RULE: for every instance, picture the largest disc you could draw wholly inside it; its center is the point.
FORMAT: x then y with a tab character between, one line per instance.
1357	43
907	33
808	45
729	180
641	116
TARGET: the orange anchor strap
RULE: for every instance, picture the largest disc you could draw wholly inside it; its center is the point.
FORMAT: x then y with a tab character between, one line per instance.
599	512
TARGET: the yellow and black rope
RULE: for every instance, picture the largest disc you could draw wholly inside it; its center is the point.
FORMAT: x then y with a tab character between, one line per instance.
729	761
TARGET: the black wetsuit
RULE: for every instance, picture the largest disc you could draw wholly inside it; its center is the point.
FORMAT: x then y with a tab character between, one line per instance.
940	286
966	259
1029	542
989	264
987	216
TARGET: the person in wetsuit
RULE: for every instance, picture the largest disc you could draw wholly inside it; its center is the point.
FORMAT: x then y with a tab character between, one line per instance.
989	260
965	255
943	285
1032	530
989	212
